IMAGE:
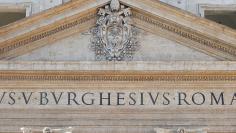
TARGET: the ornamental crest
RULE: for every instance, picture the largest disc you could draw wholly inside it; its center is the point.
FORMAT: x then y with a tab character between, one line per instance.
114	38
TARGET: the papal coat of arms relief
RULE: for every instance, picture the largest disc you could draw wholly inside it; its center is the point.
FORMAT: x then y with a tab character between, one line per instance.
114	37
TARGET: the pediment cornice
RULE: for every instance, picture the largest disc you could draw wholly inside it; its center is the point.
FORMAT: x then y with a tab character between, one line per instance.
197	33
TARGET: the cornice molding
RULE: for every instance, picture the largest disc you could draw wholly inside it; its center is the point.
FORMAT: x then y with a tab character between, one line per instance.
32	20
182	17
186	36
42	36
118	66
130	76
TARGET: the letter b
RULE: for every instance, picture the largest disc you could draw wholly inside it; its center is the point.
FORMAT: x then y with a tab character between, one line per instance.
43	98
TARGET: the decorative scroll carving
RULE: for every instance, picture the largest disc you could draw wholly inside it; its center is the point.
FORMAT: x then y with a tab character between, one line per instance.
47	130
180	130
114	37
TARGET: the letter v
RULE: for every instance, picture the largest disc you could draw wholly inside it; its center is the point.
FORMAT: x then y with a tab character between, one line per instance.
154	102
27	99
2	97
57	100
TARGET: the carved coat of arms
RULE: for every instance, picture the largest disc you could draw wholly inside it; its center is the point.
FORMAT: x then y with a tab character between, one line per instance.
114	38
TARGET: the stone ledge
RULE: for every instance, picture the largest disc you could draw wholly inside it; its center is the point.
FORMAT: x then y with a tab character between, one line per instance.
120	66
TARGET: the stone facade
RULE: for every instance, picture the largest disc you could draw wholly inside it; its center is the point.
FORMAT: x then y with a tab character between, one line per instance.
35	5
78	48
192	6
181	78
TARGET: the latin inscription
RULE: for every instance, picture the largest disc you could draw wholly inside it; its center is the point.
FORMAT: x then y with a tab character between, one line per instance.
106	98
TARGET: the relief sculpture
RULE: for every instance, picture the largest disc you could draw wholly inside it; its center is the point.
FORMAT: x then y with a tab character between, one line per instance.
114	37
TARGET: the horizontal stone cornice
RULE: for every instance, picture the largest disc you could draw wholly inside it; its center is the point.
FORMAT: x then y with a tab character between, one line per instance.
118	66
131	76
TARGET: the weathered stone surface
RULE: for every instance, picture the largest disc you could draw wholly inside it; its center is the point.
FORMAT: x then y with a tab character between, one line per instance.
152	48
117	66
75	17
133	118
51	78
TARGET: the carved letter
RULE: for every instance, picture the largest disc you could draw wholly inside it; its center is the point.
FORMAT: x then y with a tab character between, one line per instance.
154	100
43	98
71	97
57	100
182	99
233	99
27	99
217	101
108	99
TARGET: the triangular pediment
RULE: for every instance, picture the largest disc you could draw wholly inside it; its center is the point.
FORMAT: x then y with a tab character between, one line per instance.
78	48
176	34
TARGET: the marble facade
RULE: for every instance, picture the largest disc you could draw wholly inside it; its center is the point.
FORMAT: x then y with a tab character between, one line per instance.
180	79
